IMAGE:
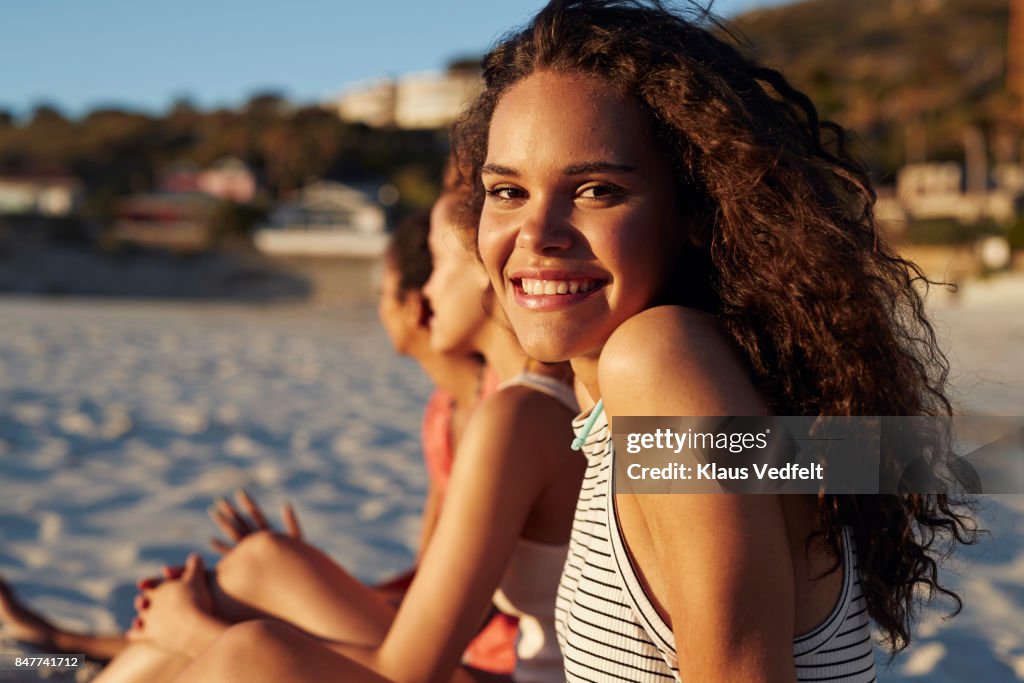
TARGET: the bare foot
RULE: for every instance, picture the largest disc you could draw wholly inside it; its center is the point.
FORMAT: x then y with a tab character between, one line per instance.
21	623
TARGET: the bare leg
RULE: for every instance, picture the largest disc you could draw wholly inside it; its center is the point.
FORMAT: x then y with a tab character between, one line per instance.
142	662
264	651
21	623
276	576
257	651
268	575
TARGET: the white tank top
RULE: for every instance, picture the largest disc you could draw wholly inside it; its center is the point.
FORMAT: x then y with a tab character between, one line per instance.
610	632
530	583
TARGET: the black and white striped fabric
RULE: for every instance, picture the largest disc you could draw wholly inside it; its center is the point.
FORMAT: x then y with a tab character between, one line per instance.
609	630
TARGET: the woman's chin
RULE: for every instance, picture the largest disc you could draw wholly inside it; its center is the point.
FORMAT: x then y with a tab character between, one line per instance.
547	349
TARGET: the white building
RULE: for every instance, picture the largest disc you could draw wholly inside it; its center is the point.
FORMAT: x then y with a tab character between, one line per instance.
372	103
1009	177
326	219
416	101
45	194
935	190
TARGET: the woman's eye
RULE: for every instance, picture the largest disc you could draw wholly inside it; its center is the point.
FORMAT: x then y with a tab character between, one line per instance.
505	193
601	191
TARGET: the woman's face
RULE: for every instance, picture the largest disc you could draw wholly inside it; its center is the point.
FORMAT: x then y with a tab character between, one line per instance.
456	287
399	313
580	226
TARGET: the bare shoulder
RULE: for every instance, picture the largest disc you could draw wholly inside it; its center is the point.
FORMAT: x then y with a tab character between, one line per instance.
520	424
671	360
509	408
665	320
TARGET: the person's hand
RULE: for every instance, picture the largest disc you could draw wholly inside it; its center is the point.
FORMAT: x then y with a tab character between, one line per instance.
176	615
237	525
167	572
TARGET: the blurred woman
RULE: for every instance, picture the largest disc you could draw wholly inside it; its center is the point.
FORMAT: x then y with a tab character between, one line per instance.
502	533
273	574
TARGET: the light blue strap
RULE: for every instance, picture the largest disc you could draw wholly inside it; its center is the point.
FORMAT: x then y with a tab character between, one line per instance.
578	442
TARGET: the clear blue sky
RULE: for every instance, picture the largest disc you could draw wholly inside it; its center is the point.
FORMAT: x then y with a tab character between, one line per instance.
80	54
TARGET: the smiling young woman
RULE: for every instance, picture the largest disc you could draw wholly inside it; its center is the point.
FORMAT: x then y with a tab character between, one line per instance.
673	218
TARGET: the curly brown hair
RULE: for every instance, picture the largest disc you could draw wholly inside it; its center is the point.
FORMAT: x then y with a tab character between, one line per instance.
792	263
408	252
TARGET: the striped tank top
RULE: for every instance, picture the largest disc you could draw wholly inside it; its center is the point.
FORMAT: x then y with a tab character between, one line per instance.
609	630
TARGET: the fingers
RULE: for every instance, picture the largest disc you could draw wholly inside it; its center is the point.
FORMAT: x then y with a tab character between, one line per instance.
291	521
148	582
236	527
229	520
166	572
198	580
225	525
141	604
193	569
220	546
172	571
249	505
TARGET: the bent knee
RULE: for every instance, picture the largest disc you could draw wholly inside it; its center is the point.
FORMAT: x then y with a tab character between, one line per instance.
267	544
257	633
259	640
254	554
248	651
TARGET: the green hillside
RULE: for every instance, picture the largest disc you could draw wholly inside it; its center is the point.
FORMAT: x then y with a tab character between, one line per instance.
887	67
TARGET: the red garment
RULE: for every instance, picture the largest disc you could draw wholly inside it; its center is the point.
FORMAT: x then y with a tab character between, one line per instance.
436	436
494	648
436	432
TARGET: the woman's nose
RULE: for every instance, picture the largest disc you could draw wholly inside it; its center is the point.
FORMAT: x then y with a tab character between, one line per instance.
544	229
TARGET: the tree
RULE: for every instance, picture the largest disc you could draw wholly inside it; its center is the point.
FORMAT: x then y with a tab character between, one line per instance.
182	108
465	65
47	114
266	105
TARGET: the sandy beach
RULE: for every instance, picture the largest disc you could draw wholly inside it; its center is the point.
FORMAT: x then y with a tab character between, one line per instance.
120	421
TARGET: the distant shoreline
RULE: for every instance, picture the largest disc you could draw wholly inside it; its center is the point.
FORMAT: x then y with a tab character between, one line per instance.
238	276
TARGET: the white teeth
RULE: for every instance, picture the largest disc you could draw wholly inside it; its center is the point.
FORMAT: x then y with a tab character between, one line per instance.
552	287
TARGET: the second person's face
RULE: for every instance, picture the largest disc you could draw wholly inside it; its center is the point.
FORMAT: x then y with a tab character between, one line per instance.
579	227
393	308
456	287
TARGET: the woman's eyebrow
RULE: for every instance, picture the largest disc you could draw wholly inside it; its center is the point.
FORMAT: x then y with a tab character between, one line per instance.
575	169
498	169
598	167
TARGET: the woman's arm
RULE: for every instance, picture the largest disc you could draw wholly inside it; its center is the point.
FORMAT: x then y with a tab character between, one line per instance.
726	582
516	441
431	513
717	566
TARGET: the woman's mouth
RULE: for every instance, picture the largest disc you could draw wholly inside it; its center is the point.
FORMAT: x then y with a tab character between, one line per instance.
553	293
557	287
